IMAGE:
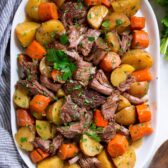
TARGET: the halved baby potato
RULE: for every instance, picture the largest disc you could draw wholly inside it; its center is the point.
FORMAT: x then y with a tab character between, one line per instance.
127	160
123	102
126	116
139	59
59	3
60	93
71	166
96	15
21	98
89	146
24	137
25	32
44	68
53	112
47	32
127	68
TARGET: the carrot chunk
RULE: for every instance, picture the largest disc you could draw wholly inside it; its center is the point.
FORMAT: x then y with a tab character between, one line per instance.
117	146
137	23
142	75
24	118
99	120
56	75
67	151
92	2
144	113
39	103
106	2
35	50
47	11
140	39
140	130
38	155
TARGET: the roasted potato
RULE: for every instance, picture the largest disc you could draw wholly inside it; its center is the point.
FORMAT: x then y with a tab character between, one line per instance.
59	3
96	15
60	93
47	32
128	7
36	115
43	129
103	158
127	160
113	41
115	20
118	76
89	146
139	89
127	68
139	59
24	137
52	162
72	166
25	32
126	116
53	112
21	98
45	70
32	8
123	102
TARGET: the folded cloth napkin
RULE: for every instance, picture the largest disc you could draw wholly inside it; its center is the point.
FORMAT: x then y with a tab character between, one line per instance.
9	157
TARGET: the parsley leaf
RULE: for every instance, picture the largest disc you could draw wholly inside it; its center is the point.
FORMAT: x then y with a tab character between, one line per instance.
64	39
119	22
91	38
61	63
106	24
23	139
94	136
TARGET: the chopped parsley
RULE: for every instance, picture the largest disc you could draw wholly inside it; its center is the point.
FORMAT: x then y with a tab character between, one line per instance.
106	24
93	127
64	39
23	139
94	136
77	87
91	38
119	22
61	62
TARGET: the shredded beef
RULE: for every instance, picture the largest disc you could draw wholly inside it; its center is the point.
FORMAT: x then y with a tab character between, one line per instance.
110	106
101	84
121	129
57	45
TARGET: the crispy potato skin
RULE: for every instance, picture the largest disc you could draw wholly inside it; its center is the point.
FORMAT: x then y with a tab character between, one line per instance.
25	32
126	116
139	59
24	137
96	15
47	32
51	162
127	160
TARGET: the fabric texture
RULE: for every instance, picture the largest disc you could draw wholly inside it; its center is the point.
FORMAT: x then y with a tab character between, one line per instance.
9	157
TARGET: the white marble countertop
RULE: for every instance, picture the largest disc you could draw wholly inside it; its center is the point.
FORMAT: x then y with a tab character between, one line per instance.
163	120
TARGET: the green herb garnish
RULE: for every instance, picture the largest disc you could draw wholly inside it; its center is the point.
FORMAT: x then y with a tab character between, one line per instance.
119	22
91	39
106	24
94	136
23	139
64	39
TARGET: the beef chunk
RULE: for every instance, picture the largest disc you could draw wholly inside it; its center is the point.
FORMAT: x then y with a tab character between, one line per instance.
73	160
121	129
57	45
134	100
99	55
72	12
70	111
88	41
34	88
27	68
101	84
110	106
48	84
75	35
73	55
89	162
127	84
84	72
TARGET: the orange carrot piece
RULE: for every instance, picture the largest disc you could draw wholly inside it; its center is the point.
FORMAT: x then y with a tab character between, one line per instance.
92	2
47	11
142	75
140	130
67	151
38	155
140	39
24	118
39	103
55	74
106	2
144	113
117	146
137	23
35	50
99	120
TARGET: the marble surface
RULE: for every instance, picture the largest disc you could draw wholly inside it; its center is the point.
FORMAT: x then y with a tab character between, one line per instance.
163	120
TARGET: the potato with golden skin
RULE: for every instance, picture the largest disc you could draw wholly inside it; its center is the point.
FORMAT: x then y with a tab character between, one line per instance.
123	102
72	166
45	69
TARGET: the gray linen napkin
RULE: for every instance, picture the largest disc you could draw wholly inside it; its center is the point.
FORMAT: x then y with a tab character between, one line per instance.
9	157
